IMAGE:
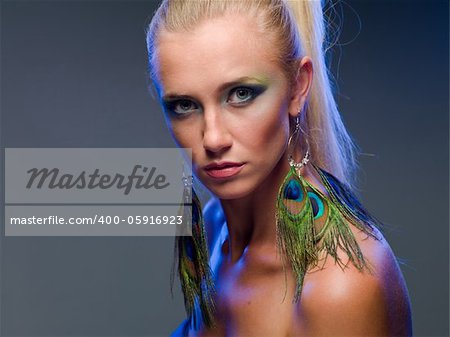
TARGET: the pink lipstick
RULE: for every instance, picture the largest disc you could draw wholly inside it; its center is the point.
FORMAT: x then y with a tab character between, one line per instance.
222	170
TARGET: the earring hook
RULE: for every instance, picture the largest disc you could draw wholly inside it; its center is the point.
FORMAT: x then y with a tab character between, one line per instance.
306	158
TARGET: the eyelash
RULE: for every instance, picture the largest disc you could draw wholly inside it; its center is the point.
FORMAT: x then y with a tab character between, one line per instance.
253	92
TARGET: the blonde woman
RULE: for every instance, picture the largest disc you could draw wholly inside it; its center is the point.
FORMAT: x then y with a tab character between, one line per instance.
284	248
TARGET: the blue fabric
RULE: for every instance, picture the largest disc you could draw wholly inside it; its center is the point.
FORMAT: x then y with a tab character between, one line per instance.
182	330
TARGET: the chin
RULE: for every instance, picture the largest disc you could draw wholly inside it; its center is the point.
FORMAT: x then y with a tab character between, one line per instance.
230	190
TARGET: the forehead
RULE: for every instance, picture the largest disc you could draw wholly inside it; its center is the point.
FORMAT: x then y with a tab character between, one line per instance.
216	51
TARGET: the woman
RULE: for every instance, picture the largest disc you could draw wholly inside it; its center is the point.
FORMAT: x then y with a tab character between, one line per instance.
244	84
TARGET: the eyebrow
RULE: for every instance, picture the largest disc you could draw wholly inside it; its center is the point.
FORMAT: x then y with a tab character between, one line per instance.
240	80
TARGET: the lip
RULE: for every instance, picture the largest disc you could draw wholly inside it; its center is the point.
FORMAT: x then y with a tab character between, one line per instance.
222	170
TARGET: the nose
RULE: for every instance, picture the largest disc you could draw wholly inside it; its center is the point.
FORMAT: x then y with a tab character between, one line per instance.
216	137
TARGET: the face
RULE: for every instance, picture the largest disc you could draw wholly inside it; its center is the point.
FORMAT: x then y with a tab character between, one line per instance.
226	99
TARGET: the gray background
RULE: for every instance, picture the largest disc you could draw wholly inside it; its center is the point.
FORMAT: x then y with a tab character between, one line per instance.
73	75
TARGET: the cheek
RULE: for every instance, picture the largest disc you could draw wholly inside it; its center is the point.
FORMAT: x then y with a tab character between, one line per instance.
186	135
183	135
267	127
183	132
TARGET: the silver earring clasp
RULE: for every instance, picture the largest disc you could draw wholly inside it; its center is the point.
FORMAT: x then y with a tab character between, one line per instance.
306	158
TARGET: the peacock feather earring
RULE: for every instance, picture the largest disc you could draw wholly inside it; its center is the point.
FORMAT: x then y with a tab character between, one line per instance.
192	255
309	222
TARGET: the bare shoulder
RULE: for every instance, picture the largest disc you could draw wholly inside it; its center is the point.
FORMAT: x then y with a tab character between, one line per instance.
348	302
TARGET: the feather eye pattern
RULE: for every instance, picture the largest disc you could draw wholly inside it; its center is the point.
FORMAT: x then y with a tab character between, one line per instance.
348	203
309	222
335	233
194	271
295	227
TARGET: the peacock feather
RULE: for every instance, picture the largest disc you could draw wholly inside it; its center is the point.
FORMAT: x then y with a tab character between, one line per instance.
193	268
308	222
295	226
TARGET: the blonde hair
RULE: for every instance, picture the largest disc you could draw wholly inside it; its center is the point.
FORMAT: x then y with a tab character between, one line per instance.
299	29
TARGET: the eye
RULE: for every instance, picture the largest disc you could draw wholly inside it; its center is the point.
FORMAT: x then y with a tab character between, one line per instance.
181	107
241	95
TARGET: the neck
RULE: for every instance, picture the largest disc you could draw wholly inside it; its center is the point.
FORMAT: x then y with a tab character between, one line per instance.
251	219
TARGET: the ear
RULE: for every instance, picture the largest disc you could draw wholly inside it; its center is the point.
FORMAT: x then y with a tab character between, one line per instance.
302	85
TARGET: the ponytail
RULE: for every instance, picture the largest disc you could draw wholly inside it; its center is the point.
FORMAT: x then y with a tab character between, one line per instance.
331	146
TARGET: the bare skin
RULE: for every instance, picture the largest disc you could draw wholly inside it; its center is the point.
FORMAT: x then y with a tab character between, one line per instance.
334	302
221	123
